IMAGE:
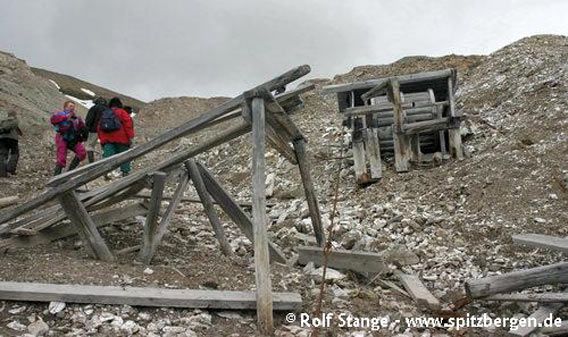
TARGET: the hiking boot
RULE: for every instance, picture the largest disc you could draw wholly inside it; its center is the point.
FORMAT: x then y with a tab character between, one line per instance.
58	170
76	161
91	156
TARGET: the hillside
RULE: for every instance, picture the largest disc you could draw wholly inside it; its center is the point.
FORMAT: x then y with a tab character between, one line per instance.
446	224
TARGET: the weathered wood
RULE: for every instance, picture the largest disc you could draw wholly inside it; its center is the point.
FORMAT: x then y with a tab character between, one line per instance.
261	258
374	152
144	297
359	161
401	141
278	118
541	298
439	114
415	152
418	291
542	313
7	201
234	211
425	126
542	241
151	224
386	112
361	262
454	135
309	190
208	206
77	213
555	331
247	204
162	228
517	280
64	230
127	193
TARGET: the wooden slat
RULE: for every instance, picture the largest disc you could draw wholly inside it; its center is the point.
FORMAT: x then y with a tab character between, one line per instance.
541	298
542	241
374	153
309	190
235	212
145	297
425	126
361	262
418	291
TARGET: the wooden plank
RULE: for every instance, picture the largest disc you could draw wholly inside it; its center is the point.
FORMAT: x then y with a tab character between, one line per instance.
143	195
416	153
151	224
541	298
360	163
425	126
77	213
401	141
309	190
260	221
235	212
517	280
439	113
454	135
278	118
555	330
542	241
374	152
162	228
385	112
7	201
144	297
361	262
64	230
418	291
208	207
542	313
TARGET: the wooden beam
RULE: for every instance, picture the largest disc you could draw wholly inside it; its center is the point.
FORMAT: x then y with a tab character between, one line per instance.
374	153
358	261
425	126
7	201
517	280
542	241
77	213
260	220
418	291
401	141
144	297
234	211
556	331
541	314
64	230
541	298
167	217
454	134
208	207
309	190
151	224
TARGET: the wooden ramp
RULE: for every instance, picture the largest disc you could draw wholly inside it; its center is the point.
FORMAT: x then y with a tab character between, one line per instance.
145	297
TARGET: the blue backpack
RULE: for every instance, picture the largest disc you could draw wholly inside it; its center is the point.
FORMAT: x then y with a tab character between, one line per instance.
109	121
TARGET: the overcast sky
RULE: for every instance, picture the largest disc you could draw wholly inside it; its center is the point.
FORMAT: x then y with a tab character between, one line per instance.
151	49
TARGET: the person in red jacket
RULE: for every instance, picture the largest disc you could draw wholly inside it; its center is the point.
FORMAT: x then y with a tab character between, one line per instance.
119	140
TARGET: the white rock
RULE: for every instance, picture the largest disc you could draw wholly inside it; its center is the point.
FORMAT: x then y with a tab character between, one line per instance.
55	307
38	328
330	274
148	271
15	325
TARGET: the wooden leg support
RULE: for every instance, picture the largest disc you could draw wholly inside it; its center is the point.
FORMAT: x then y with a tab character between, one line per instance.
374	152
309	191
158	183
77	213
455	143
208	206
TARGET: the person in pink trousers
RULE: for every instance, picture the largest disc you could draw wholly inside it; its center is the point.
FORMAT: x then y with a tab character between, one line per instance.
70	133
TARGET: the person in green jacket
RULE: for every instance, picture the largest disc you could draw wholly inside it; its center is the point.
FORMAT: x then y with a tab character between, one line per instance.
9	147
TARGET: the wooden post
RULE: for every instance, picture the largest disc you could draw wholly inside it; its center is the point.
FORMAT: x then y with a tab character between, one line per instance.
438	112
158	183
309	191
208	206
374	151
401	141
416	154
167	217
261	259
77	213
454	131
359	162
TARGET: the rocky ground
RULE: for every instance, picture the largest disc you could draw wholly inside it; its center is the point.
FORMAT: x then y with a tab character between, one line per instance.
447	223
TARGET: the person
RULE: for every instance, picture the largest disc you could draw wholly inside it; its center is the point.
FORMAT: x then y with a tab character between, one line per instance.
116	131
70	132
91	121
9	147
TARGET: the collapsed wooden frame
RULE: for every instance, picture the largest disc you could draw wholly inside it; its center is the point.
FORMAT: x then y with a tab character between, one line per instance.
262	113
405	115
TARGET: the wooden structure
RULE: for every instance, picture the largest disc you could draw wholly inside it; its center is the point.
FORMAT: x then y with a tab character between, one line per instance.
256	110
499	288
407	115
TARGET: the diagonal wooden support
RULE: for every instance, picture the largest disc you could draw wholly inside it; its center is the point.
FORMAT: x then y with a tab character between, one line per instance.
261	259
309	191
77	213
167	217
158	184
208	206
234	211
